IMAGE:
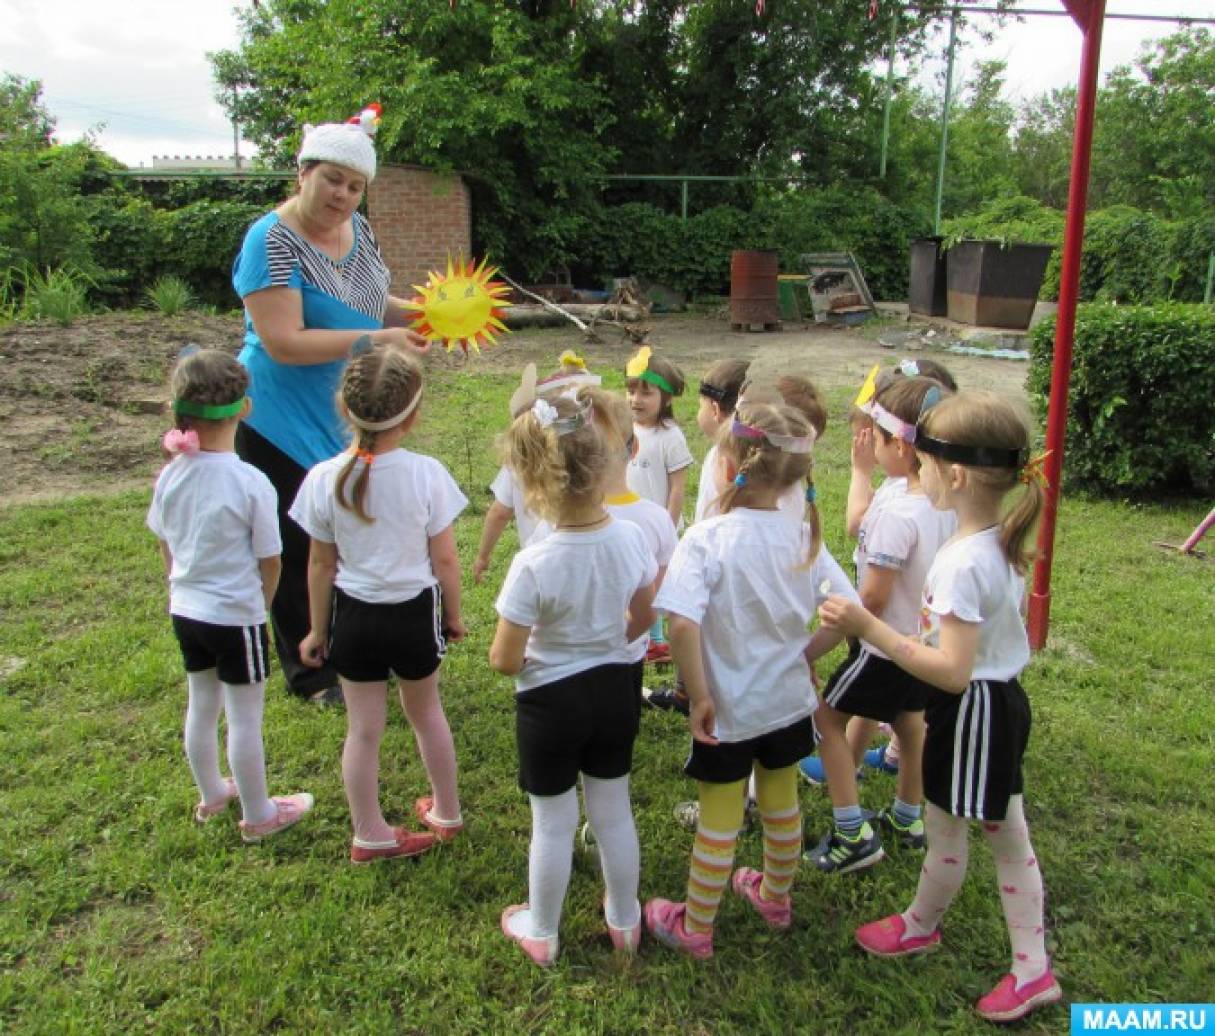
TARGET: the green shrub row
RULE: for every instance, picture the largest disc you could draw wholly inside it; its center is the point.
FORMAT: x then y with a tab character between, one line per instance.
1140	418
1129	256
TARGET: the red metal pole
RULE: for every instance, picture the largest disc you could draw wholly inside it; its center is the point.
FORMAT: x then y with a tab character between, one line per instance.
1089	16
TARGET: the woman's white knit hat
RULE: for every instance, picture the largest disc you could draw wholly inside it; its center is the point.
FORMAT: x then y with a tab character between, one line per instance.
344	143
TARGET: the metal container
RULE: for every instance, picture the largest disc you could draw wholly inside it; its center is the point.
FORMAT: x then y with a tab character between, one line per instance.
991	285
926	291
754	295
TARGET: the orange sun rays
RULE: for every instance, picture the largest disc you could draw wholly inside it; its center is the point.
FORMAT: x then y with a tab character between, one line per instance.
463	307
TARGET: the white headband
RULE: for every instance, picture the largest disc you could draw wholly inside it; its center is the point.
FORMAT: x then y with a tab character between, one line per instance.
392	422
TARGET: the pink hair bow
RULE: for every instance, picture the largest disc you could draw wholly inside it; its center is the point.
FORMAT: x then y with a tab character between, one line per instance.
178	441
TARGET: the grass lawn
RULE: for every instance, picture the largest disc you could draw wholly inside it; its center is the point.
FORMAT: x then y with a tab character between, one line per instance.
119	914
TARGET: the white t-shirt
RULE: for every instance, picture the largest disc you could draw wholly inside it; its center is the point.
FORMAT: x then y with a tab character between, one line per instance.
509	493
661	451
411	498
572	589
219	517
738	576
889	487
902	531
972	580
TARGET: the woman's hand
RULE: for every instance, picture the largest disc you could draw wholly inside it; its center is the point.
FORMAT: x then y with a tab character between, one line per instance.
844	615
312	650
701	719
402	338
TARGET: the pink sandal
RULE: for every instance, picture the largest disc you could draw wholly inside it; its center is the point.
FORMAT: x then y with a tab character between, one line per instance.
204	812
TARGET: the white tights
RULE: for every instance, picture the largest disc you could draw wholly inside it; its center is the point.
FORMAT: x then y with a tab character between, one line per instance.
554	824
1017	874
244	704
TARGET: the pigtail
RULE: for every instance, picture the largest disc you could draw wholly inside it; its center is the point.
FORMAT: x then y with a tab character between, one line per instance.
816	526
1018	522
356	501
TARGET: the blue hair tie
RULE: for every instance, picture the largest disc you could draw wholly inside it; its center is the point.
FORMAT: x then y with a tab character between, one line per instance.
740	480
811	493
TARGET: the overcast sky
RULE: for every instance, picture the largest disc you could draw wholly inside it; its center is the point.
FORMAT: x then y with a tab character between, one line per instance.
138	68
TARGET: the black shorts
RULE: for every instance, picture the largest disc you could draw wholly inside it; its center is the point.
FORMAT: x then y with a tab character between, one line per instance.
868	685
730	761
586	723
238	654
974	747
367	641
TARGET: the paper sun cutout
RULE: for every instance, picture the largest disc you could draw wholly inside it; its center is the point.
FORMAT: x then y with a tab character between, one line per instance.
461	307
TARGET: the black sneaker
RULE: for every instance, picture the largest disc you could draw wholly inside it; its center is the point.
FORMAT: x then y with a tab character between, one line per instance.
837	854
328	696
910	836
665	698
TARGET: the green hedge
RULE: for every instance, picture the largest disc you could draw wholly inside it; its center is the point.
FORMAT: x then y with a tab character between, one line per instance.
1140	418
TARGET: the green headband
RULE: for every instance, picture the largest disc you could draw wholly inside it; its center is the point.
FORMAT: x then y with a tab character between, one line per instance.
208	411
657	379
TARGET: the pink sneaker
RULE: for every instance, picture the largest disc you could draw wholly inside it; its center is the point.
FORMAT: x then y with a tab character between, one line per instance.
542	951
1008	1002
665	920
443	830
404	843
289	809
888	938
204	812
746	882
624	940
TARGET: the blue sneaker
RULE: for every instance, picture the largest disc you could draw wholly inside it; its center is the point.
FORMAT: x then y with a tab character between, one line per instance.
875	759
812	770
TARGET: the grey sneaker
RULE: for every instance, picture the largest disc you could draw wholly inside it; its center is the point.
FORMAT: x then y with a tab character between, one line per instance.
911	836
837	854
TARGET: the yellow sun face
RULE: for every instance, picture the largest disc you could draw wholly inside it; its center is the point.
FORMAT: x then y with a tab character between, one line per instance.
461	307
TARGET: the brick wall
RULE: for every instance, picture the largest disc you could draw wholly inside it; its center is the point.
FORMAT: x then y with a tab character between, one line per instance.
419	217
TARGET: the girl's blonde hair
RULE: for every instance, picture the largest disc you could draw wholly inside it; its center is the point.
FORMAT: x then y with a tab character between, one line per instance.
985	419
376	386
612	416
560	463
761	465
208	377
724	382
673	376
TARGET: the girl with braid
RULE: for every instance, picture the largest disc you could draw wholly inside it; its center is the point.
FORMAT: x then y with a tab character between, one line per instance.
973	450
384	595
740	593
216	518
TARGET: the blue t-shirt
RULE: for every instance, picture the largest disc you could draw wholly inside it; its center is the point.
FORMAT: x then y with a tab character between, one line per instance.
293	405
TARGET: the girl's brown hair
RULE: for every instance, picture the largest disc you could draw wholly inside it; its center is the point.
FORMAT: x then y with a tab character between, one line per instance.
209	377
673	376
727	377
904	397
376	386
792	390
612	417
761	465
554	469
986	419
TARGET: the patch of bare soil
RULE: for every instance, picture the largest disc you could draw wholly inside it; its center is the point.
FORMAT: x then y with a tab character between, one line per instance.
81	407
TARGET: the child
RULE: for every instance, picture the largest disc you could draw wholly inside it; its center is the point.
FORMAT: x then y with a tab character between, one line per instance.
740	593
899	537
571	374
659	468
384	595
568	610
719	390
974	449
216	518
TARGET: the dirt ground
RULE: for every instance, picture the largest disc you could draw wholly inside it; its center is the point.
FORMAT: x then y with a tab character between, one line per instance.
81	407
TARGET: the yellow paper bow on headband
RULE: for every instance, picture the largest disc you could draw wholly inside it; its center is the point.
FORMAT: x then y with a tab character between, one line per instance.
1034	470
869	388
569	358
639	367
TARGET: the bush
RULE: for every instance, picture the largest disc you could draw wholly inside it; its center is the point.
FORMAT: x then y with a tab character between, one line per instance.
201	241
170	295
128	246
60	295
1140	418
1126	257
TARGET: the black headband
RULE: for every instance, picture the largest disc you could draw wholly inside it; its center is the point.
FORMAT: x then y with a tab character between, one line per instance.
713	392
978	456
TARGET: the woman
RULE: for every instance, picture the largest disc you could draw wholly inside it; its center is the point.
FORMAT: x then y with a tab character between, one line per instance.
315	290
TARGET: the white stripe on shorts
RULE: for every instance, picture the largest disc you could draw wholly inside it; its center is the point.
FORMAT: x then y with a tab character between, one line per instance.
250	676
847	677
981	789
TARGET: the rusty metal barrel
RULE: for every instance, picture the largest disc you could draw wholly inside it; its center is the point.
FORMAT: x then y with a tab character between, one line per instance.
754	296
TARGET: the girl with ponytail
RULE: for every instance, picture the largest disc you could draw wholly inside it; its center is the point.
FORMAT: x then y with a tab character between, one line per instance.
974	452
740	593
384	595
